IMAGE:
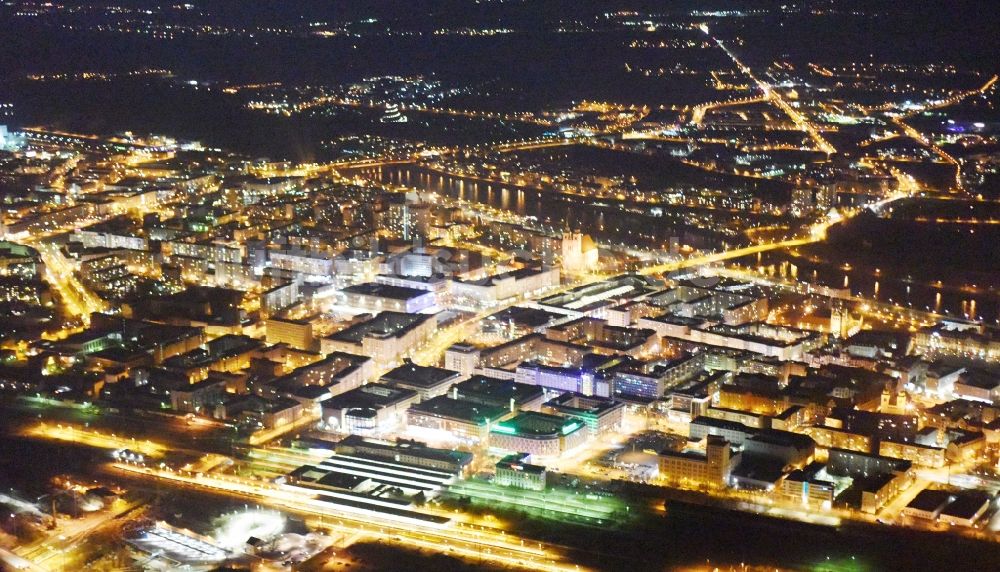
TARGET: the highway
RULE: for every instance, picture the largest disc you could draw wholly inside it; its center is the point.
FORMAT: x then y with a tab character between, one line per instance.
919	137
774	96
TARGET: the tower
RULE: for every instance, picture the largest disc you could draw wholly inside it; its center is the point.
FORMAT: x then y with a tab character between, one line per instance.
572	251
392	114
717	454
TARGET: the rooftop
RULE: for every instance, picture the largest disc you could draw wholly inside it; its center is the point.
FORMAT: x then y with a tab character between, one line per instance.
590	296
422	376
930	500
575	403
785	439
760	470
722	424
499	392
516	462
383	324
366	447
967	504
537	425
460	409
525	317
384	291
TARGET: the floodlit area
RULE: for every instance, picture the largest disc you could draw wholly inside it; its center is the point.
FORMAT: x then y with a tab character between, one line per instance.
554	503
181	547
129	448
19	505
232	530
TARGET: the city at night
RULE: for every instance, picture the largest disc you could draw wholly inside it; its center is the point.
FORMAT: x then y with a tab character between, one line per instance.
475	285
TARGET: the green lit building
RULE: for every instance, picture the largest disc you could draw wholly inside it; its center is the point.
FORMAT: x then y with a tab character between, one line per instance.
538	434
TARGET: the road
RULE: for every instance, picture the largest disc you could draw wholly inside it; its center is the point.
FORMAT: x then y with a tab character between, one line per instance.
163	432
775	97
79	301
698	112
703	259
461	538
58	550
94	438
9	560
911	132
817	233
397	159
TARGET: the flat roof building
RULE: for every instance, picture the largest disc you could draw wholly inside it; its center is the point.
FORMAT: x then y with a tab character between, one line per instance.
427	381
599	414
575	379
499	393
338	372
538	434
371	407
459	419
296	333
735	433
594	299
377	297
405	451
792	449
386	337
966	508
493	289
809	486
928	504
515	471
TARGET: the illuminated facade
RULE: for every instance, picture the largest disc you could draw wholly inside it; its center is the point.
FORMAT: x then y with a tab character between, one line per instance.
515	471
696	469
538	434
579	253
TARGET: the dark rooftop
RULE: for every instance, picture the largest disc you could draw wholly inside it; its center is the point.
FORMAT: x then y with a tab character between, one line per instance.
526	317
497	392
384	324
929	500
422	376
785	438
967	504
384	291
467	411
373	395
